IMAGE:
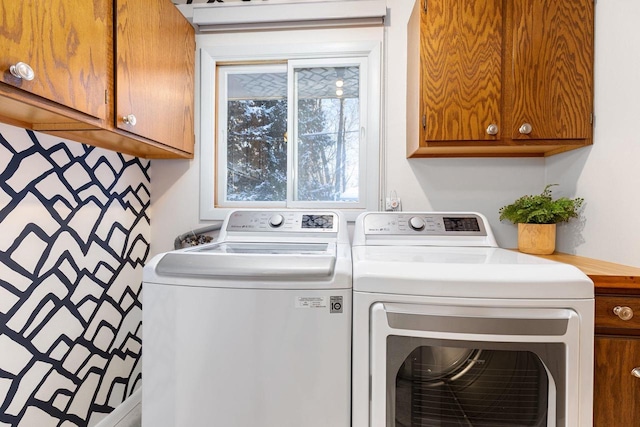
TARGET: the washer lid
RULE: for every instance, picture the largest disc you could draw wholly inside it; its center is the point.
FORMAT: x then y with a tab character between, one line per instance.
464	272
241	260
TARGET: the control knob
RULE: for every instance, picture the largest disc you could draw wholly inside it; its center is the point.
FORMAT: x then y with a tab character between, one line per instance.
416	223
276	220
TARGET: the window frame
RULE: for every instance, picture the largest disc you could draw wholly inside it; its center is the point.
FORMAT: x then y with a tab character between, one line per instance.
369	51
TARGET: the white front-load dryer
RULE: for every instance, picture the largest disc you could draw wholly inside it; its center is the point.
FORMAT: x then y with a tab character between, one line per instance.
449	329
253	330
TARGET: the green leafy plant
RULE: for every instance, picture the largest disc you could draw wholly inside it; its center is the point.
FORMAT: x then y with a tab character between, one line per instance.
541	209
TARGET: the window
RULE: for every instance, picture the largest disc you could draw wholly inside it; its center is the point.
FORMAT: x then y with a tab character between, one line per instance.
296	128
314	159
252	139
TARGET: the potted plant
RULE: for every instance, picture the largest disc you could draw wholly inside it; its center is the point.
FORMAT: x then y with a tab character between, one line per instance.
537	217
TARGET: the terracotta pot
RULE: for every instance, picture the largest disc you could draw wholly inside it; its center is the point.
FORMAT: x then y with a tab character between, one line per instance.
537	239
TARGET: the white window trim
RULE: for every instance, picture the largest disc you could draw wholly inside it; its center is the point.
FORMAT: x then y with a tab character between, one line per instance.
210	56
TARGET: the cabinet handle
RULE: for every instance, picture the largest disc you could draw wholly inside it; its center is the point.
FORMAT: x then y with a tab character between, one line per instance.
492	129
525	129
130	119
22	71
624	313
635	372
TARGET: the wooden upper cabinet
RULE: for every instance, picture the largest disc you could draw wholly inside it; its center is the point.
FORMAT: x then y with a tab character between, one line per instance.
552	69
461	55
155	50
95	62
504	77
65	43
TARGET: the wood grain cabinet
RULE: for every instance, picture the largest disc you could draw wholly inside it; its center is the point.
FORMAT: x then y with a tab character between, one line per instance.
617	340
617	358
57	50
118	74
501	77
155	51
616	390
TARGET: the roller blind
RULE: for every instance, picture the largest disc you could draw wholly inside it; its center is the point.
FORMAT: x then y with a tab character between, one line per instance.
279	15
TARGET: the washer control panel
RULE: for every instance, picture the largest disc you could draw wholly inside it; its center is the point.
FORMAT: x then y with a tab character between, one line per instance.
433	224
284	221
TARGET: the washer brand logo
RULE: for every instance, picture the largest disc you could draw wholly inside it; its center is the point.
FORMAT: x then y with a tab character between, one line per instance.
335	304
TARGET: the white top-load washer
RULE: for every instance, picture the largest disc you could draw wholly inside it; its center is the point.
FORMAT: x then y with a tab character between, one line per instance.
450	329
254	329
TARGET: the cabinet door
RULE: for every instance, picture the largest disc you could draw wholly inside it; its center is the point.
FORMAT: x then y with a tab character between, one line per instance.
461	57
155	51
552	70
66	43
616	391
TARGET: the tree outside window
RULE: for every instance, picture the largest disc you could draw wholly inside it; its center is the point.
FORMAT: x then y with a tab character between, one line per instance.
323	162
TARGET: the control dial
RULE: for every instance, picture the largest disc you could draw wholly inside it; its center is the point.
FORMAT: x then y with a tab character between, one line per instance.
416	223
276	220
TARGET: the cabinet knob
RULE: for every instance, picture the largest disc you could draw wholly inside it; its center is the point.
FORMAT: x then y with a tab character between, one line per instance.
525	129
635	372
130	119
492	129
624	313
22	71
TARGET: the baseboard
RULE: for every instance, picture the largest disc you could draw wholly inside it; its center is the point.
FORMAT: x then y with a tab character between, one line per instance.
122	410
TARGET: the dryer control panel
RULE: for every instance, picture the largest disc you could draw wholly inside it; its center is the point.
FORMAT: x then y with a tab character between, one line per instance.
434	224
423	229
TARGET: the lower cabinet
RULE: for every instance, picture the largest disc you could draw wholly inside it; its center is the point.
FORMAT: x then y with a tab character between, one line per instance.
616	389
616	393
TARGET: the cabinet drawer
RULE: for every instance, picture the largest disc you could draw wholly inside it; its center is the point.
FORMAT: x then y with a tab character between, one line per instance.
607	318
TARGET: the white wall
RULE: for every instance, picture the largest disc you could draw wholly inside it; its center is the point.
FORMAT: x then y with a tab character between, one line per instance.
605	174
174	201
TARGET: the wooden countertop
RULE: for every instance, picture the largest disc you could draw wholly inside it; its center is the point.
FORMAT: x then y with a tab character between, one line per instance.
607	276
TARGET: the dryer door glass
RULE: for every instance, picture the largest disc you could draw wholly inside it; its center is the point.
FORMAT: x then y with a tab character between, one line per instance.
456	384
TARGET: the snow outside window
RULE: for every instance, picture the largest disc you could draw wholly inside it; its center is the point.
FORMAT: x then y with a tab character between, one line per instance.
291	135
